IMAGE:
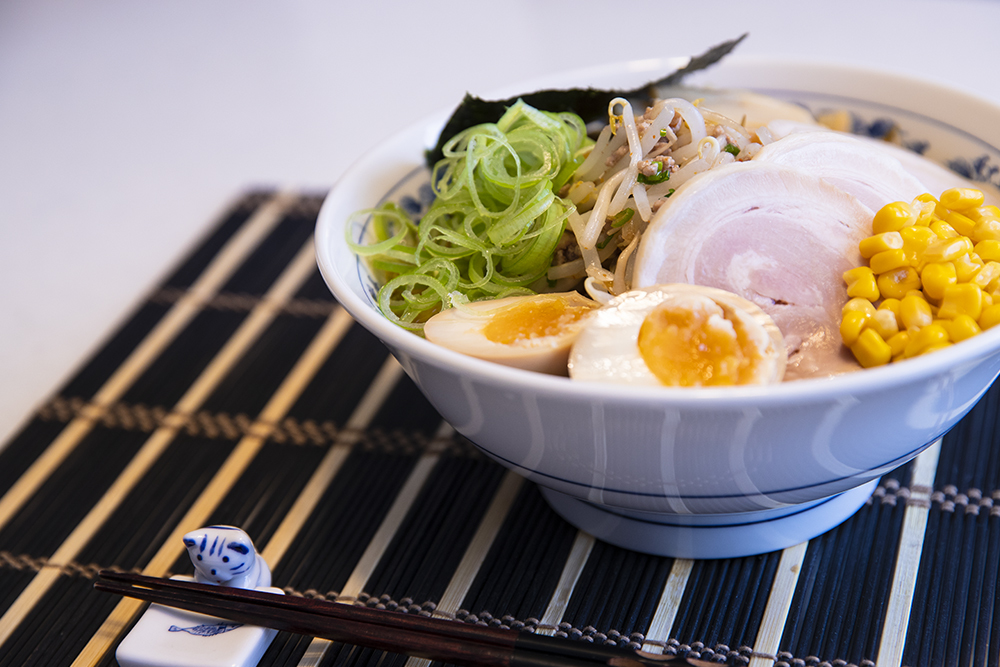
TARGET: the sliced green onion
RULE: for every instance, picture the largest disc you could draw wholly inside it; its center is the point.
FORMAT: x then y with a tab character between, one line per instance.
601	245
662	174
391	227
732	149
622	217
495	222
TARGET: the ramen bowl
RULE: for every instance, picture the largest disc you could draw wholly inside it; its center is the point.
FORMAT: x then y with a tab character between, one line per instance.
708	472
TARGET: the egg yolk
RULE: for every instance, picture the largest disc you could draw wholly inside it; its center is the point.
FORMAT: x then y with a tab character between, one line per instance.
692	344
533	318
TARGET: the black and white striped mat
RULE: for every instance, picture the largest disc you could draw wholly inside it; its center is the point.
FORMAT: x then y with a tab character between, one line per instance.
241	393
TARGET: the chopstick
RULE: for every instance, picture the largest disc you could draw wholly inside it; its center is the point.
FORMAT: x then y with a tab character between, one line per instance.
435	639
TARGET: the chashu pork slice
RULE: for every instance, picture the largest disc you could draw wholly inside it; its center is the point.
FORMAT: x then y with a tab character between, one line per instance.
872	175
933	177
777	236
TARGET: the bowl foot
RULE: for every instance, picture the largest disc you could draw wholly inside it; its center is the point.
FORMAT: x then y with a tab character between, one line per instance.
711	536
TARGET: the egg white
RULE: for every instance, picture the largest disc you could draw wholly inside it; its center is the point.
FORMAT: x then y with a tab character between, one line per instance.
461	329
607	349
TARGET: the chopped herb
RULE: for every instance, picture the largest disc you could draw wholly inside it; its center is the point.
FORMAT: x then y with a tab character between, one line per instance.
662	174
622	217
670	192
732	149
601	245
663	131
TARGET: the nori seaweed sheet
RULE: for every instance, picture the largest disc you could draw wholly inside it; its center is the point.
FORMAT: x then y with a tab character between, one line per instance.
589	103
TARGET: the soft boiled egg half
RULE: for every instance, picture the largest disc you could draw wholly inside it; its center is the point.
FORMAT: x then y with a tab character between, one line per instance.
681	336
531	332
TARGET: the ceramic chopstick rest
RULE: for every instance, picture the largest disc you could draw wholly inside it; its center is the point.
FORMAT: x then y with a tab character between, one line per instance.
225	556
167	637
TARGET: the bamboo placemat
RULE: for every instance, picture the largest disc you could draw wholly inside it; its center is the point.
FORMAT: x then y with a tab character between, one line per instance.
240	393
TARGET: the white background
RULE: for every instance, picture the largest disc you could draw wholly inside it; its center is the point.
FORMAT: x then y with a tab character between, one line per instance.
126	127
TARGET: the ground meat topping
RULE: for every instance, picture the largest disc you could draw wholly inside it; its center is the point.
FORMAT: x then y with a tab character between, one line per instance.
567	250
657	165
621	152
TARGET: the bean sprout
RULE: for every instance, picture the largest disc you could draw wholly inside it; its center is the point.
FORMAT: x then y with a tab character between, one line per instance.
637	163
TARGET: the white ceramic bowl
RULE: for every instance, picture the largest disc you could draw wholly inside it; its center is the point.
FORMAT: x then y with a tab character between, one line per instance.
701	473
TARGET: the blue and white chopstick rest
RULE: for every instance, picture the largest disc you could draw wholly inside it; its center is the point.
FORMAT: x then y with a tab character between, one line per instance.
167	637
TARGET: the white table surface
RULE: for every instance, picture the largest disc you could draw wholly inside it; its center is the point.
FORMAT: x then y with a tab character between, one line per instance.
126	127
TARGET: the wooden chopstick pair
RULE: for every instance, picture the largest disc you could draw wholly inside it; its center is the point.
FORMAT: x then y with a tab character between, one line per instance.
435	639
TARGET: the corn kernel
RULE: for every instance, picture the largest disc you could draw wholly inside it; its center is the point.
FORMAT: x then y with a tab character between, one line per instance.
987	229
959	199
943	229
930	335
934	348
851	326
988	212
861	283
928	210
888	260
898	343
896	284
914	312
961	328
840	120
946	250
880	243
870	350
990	317
966	266
986	275
884	324
988	251
894	217
892	305
938	274
960	223
860	304
889	304
963	299
915	242
936	277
